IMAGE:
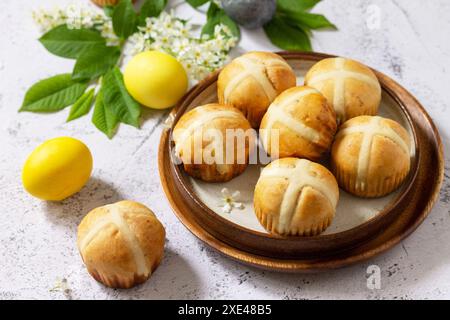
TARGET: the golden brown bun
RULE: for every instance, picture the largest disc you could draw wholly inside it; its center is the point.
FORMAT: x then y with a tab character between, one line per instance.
121	243
190	137
350	87
295	197
103	3
375	167
304	121
252	81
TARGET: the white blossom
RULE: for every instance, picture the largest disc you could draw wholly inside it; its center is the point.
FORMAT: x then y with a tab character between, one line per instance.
230	201
48	19
107	32
166	33
169	34
76	17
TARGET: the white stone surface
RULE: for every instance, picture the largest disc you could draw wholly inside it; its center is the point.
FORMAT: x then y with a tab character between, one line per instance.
408	41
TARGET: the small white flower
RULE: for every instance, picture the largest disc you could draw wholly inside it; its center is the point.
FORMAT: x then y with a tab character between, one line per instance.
107	32
60	285
47	20
229	201
180	45
139	44
77	17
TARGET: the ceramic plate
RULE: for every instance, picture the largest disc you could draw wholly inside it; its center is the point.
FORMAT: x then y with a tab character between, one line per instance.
357	222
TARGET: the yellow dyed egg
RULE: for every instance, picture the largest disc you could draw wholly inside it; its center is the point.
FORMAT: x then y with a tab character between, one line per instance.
57	169
155	79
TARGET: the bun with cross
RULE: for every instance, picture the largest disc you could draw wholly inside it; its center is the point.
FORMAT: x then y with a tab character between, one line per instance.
213	142
121	243
252	81
302	123
371	156
350	87
295	197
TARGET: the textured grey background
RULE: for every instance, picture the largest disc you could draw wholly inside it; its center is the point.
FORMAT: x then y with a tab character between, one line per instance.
408	40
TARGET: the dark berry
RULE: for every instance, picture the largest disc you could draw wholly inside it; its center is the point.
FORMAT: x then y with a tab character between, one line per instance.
250	14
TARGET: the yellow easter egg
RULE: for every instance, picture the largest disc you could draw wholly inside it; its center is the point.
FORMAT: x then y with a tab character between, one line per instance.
155	79
57	169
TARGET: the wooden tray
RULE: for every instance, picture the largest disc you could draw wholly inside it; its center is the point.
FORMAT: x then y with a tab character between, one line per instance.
401	215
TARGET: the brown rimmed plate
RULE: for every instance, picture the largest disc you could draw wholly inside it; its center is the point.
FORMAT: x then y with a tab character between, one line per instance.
370	228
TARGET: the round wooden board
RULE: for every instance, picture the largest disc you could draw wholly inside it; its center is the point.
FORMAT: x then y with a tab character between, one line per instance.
423	194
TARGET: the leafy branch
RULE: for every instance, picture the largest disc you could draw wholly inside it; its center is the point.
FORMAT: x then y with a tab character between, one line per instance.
96	79
95	60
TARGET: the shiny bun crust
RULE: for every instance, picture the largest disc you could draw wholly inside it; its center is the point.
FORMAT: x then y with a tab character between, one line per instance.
252	81
121	243
370	156
303	122
350	87
191	139
295	197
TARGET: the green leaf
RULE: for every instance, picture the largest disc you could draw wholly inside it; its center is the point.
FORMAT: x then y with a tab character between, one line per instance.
95	62
296	5
70	43
308	20
117	98
216	16
213	10
287	37
53	94
196	3
81	106
151	8
108	10
103	118
124	19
